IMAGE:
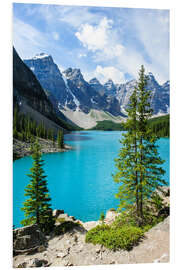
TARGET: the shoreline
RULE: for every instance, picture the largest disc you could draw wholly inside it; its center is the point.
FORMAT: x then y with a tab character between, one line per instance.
22	149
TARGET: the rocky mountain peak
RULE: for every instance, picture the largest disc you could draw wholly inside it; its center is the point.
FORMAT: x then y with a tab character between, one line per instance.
110	87
73	74
41	56
94	81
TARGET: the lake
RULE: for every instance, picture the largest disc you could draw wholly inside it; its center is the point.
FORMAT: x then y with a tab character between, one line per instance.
80	181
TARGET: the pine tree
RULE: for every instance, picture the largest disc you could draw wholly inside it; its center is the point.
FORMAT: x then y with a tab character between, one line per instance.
138	163
60	139
37	207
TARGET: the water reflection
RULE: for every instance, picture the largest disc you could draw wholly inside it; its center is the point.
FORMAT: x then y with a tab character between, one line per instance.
76	137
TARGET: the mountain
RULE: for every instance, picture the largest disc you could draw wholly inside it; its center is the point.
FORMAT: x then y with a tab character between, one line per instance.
31	98
160	94
110	87
70	89
76	98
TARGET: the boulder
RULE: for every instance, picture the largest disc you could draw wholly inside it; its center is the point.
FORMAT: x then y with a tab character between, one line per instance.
57	212
27	238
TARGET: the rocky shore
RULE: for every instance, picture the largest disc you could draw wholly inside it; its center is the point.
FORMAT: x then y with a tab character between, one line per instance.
21	149
70	249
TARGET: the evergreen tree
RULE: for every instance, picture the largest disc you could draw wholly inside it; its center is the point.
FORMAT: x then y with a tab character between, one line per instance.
138	163
60	139
37	206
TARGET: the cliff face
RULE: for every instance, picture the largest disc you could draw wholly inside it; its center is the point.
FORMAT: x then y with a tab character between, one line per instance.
70	89
31	98
26	87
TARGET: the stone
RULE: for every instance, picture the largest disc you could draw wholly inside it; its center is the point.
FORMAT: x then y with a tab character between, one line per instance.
98	250
27	238
37	262
41	248
22	265
61	254
73	218
57	212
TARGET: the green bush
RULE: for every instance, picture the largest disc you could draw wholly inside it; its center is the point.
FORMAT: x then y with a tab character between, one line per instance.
121	238
102	217
112	209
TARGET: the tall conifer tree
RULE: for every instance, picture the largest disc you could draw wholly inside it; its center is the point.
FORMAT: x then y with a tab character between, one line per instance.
138	162
60	139
37	207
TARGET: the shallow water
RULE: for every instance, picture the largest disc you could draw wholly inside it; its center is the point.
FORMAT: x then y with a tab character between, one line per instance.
80	181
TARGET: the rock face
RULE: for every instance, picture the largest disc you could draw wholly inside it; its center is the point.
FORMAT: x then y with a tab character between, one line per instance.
110	88
160	94
27	238
70	89
29	95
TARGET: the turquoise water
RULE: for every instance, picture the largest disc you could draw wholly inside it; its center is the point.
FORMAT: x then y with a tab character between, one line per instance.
80	181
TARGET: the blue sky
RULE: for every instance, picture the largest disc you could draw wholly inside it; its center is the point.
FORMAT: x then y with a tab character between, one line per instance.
102	42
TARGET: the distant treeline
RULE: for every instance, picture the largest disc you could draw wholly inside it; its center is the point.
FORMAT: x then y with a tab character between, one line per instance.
25	129
159	125
108	125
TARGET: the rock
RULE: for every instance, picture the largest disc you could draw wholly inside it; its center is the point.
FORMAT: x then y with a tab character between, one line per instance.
57	212
22	265
98	250
41	248
75	238
27	238
62	254
37	262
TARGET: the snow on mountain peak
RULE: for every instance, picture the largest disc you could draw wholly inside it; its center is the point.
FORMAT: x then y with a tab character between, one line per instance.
40	56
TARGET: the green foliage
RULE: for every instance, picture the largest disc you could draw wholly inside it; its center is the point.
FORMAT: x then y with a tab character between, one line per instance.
37	206
102	217
121	238
26	129
160	125
112	209
60	139
138	163
157	201
108	125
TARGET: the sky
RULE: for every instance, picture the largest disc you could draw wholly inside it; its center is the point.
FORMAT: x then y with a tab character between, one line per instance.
103	42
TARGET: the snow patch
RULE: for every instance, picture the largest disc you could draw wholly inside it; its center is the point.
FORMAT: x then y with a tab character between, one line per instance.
32	68
76	101
40	56
92	100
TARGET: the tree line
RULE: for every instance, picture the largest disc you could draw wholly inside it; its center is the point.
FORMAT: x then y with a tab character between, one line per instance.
159	125
26	129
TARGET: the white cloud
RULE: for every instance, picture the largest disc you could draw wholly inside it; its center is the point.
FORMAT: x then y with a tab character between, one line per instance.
150	29
110	72
55	36
95	37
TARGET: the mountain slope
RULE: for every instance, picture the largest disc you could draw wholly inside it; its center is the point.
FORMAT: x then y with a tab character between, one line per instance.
69	88
160	94
29	95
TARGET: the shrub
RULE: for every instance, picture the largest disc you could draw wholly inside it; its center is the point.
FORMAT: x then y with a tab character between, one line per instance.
121	238
102	217
112	209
